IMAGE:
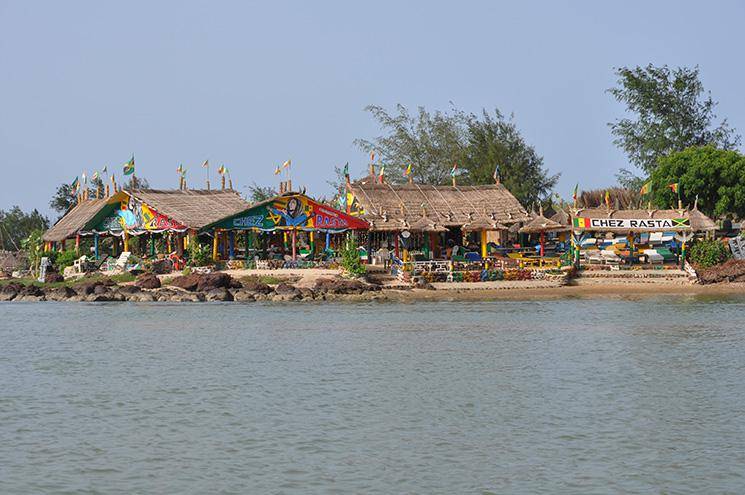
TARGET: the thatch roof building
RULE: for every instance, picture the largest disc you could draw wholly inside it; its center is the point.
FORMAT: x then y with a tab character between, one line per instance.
393	207
74	220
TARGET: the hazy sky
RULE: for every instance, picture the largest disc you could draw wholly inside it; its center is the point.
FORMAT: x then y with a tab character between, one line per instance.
251	84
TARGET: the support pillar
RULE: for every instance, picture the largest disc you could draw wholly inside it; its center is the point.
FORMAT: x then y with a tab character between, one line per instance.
395	244
328	240
77	245
312	240
126	242
95	246
483	244
543	242
215	241
294	244
152	245
231	244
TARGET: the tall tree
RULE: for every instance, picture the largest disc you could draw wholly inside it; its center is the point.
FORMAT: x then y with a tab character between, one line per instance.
16	225
671	112
64	197
431	142
715	176
257	193
495	144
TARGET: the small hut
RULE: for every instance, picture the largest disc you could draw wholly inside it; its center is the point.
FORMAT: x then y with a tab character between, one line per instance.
540	225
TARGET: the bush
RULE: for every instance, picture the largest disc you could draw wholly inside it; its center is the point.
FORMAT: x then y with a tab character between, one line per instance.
65	259
350	257
708	252
199	255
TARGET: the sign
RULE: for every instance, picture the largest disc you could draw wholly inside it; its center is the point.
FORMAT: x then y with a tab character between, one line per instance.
43	266
135	217
657	224
737	246
292	212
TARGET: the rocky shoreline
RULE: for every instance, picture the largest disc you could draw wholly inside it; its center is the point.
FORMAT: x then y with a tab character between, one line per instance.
191	288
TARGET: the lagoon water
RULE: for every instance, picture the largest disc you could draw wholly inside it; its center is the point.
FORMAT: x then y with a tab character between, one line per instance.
566	396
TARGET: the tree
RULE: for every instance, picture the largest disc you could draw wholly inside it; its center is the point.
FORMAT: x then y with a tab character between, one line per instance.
257	193
431	142
495	142
672	112
64	198
715	176
16	225
135	182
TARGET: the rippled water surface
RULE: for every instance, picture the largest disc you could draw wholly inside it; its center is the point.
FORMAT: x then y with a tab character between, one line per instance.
572	396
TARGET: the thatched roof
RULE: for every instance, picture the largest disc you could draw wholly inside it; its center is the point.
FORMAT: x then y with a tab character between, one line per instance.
397	206
194	208
619	197
562	217
73	221
542	224
698	221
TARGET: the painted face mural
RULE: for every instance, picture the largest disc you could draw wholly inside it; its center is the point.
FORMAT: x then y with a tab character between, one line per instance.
135	216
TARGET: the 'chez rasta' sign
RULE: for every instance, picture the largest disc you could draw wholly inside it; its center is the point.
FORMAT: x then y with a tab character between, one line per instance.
653	224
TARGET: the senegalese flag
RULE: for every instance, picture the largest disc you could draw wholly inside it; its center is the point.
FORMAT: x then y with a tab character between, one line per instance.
129	167
407	172
674	187
646	188
454	170
381	174
607	198
581	223
221	170
287	164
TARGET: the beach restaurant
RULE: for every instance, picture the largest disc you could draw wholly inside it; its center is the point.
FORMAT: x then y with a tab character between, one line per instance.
604	236
418	221
174	216
286	227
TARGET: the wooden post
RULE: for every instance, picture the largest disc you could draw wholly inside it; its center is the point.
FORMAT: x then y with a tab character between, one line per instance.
312	244
95	246
483	244
543	241
231	244
328	240
395	244
222	182
126	241
77	244
215	240
294	244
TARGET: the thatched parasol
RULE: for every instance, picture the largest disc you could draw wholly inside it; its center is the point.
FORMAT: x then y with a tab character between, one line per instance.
541	225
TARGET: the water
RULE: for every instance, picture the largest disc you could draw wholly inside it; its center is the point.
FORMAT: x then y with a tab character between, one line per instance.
570	396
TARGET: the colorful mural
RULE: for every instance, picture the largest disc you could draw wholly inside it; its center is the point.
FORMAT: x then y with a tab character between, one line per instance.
134	216
292	212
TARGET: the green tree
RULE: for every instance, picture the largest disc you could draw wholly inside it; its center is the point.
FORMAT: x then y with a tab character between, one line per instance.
431	142
495	142
715	176
17	225
671	112
257	193
64	197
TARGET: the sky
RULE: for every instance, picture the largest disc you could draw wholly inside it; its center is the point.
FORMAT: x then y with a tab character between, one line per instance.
85	84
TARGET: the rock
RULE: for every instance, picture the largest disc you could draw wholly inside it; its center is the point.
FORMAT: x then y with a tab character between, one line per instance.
242	295
285	297
219	294
284	288
421	283
8	296
98	298
53	277
210	281
307	294
257	287
148	281
60	294
343	286
30	291
86	288
29	298
139	296
129	289
186	282
161	267
100	290
730	271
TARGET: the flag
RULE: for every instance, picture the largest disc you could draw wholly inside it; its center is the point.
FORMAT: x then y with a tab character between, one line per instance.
105	169
277	170
646	188
381	175
75	185
206	164
674	187
496	173
287	164
607	198
574	193
372	156
221	170
84	177
346	169
454	169
180	169
94	176
129	167
407	172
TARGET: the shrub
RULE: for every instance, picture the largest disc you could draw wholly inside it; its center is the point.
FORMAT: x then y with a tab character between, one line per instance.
65	259
708	252
199	255
350	257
